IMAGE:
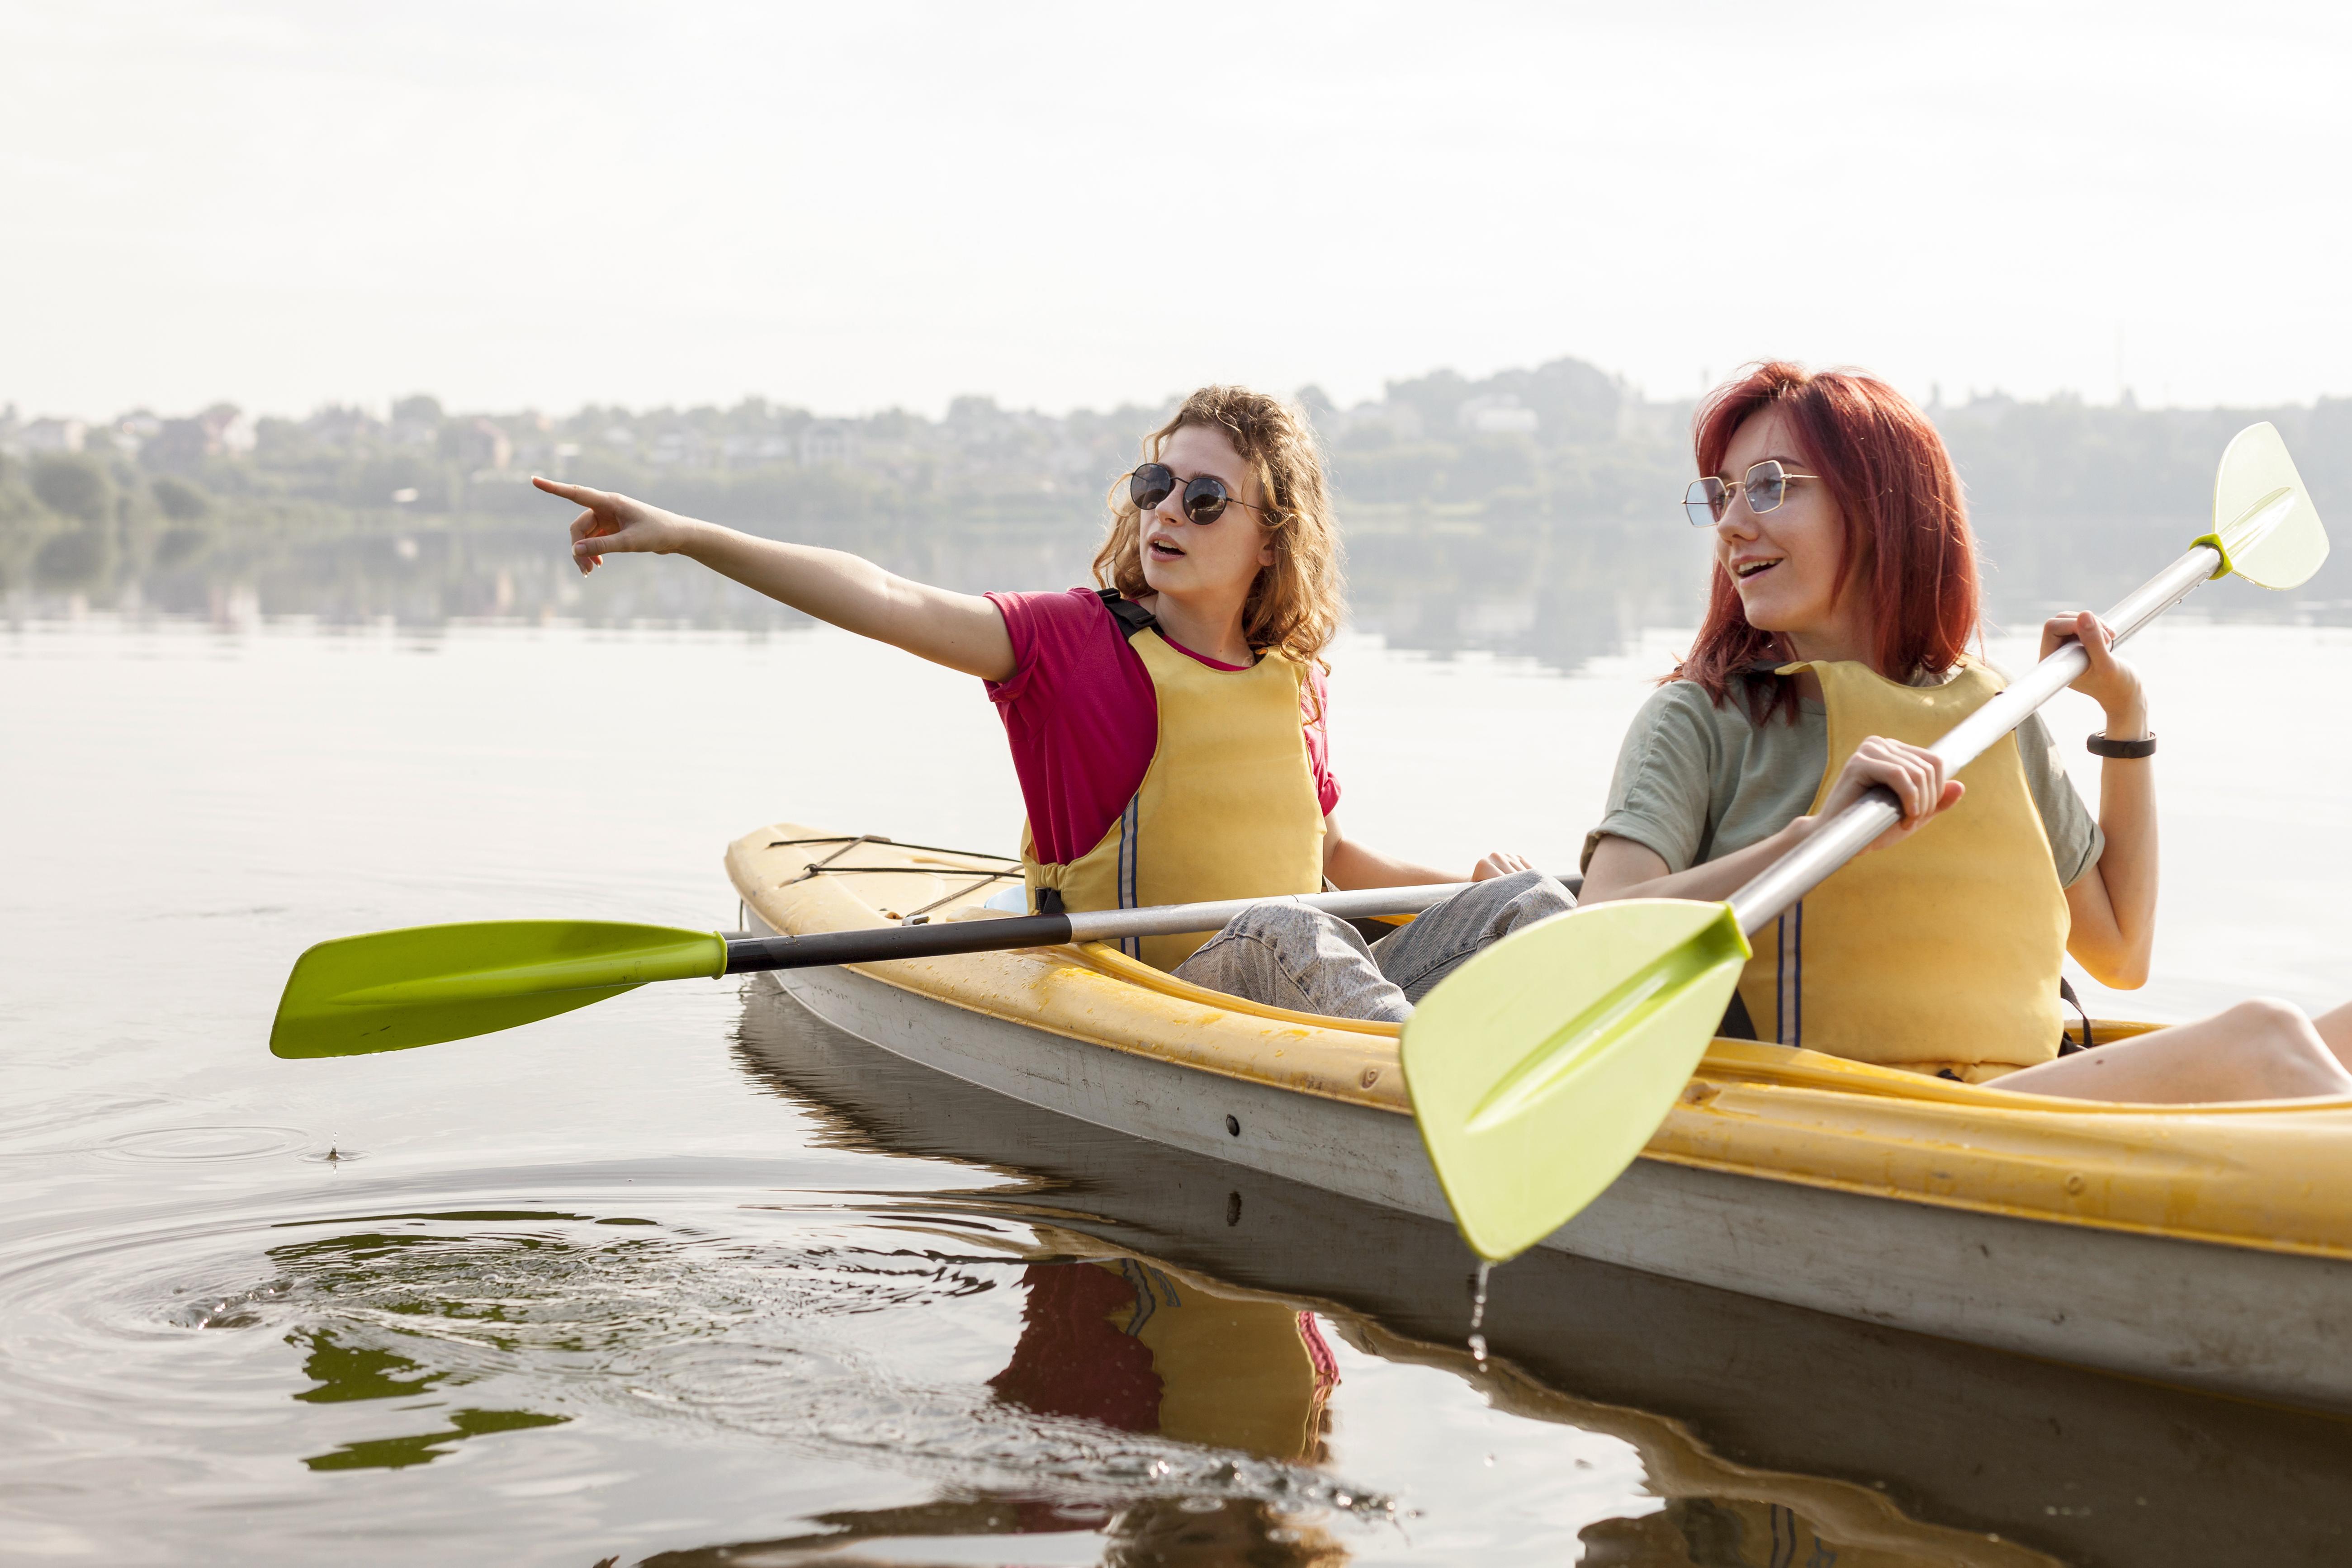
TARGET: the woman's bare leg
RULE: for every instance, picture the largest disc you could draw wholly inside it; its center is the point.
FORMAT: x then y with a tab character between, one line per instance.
2257	1050
2335	1028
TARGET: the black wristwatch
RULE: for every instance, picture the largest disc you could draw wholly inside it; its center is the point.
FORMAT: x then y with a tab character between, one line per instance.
2100	745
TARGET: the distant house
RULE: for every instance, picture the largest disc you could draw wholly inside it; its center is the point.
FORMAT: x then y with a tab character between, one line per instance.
478	444
55	435
219	431
345	428
751	451
231	430
828	441
1499	414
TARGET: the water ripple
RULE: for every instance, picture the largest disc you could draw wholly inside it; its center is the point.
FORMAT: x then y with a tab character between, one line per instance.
199	1144
393	1334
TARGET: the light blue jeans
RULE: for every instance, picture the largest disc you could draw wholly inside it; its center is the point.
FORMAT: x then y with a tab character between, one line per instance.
1292	956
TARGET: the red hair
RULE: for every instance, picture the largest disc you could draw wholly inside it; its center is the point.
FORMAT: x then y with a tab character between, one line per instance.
1906	527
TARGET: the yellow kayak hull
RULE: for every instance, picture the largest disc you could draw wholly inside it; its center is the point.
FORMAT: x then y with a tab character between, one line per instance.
2205	1245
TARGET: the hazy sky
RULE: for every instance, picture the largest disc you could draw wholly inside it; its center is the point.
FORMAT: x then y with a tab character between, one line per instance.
849	206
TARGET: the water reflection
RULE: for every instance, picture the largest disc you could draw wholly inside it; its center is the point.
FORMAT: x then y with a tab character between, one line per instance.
1119	1343
832	1328
1149	1535
423	1447
1559	595
1767	1429
1559	591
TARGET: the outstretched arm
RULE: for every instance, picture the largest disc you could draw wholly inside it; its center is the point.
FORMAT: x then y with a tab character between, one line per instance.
961	630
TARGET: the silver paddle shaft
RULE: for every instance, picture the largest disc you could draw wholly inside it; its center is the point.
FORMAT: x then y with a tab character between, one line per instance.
1168	919
1852	831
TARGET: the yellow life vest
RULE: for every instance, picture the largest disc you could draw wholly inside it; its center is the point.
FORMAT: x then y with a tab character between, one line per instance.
1228	808
1942	952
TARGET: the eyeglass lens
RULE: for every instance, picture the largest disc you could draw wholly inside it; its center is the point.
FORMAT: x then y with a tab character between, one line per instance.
1707	500
1704	502
1204	495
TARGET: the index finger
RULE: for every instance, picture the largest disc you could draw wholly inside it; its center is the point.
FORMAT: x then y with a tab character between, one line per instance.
580	493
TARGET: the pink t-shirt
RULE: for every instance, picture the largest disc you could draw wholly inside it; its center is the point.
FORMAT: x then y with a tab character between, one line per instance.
1083	720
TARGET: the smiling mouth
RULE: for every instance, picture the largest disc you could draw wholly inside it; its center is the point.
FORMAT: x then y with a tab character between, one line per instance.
1744	569
1164	548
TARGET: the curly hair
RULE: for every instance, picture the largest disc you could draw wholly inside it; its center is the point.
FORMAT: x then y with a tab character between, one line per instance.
1294	607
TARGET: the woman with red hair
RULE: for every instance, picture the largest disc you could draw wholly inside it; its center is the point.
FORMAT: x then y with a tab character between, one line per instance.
1834	652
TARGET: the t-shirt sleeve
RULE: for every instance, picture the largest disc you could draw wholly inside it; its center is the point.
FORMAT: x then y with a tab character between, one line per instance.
1318	740
1049	632
1659	796
2075	842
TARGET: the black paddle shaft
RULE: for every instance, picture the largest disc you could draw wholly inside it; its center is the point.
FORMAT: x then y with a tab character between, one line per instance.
876	945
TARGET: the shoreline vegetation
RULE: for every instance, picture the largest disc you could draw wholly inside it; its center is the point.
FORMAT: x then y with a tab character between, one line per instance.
1532	513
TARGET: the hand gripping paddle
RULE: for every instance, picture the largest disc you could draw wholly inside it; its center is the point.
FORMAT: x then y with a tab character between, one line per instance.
1541	1067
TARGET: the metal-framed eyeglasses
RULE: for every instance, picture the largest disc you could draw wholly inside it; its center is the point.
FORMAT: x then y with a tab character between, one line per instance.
1205	495
1765	485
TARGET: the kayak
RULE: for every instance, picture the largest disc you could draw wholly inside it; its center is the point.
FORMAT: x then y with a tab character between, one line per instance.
1726	1395
2207	1246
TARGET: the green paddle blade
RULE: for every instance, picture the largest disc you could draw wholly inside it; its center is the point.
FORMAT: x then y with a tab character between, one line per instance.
2264	522
392	989
1541	1067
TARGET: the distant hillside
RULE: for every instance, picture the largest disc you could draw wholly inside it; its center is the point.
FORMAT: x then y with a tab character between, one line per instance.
1532	511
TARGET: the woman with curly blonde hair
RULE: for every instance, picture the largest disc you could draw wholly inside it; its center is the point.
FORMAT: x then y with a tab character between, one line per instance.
1168	726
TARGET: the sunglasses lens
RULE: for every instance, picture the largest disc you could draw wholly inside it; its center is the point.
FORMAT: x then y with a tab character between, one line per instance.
1704	502
1768	487
1204	499
1149	485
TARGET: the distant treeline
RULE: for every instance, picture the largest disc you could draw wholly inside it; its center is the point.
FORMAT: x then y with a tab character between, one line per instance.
1532	511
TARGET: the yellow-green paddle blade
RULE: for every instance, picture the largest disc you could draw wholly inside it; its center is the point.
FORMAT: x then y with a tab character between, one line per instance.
392	990
2264	522
1541	1067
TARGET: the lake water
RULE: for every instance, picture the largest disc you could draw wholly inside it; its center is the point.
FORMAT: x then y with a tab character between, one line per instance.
689	1278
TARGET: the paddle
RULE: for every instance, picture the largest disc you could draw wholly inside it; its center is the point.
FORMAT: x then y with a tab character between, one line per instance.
1540	1069
390	991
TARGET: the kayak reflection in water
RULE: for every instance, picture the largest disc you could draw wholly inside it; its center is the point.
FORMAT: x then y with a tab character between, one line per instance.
1844	596
1168	726
1119	1342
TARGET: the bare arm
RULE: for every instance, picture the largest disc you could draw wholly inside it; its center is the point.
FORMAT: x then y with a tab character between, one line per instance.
1619	868
961	630
1623	869
1348	864
2112	904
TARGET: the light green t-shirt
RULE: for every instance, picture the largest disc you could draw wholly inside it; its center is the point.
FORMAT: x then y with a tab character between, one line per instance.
1695	782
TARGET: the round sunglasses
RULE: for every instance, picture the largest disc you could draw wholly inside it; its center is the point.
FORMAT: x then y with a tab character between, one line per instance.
1767	486
1205	497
